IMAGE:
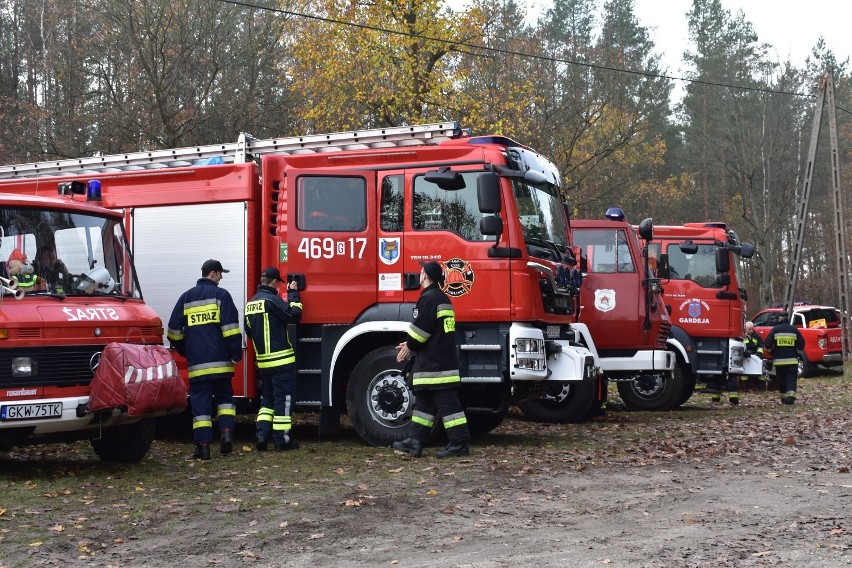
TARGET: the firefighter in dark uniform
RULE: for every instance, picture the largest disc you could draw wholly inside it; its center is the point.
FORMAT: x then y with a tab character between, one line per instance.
266	319
435	372
204	327
784	343
754	346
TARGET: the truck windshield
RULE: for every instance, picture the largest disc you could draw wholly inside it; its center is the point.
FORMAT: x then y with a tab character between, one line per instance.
64	252
699	267
542	218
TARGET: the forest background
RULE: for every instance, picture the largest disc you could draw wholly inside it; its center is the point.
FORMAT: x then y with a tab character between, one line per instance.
582	84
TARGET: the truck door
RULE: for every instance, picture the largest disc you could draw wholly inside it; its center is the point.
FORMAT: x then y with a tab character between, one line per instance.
331	241
443	225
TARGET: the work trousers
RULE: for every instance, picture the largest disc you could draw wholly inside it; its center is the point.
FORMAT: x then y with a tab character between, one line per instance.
203	395
430	403
276	402
787	376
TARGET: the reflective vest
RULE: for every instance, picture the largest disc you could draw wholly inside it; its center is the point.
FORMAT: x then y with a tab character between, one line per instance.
266	319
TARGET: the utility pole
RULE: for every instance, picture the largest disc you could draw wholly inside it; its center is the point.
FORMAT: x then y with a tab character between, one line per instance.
825	95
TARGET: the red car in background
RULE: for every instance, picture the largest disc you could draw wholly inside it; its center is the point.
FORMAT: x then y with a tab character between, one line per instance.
819	325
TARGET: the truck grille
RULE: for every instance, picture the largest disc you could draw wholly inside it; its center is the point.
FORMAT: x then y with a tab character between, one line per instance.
57	366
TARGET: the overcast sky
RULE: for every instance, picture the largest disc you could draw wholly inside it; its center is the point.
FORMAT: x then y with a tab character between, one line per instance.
791	26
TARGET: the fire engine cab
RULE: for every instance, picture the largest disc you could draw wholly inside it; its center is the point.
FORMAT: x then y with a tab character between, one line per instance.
68	287
349	216
698	266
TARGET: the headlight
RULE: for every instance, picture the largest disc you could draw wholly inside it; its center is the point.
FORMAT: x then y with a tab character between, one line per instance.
526	345
24	367
530	364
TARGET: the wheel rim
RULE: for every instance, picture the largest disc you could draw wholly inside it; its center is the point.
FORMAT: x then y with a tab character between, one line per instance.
389	400
647	385
556	393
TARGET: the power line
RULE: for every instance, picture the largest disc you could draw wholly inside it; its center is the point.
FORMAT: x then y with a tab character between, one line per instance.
503	51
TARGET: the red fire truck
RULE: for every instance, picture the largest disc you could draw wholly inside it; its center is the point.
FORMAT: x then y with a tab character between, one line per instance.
698	266
622	304
52	332
349	216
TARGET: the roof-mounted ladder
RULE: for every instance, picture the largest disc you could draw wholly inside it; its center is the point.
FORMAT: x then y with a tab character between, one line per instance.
244	150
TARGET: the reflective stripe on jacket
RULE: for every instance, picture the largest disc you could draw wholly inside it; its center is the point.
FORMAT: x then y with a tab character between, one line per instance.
784	343
266	319
432	337
204	327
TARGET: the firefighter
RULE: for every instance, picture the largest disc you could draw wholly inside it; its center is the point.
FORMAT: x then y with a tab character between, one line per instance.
784	343
266	319
435	371
754	346
204	327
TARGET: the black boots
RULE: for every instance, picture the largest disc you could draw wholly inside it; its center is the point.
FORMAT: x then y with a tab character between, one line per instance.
286	446
261	443
454	450
202	452
226	444
411	446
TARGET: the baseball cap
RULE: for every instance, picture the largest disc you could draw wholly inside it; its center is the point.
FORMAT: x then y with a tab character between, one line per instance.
211	265
271	272
433	270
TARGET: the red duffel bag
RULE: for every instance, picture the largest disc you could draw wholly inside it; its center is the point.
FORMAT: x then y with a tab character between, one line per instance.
143	378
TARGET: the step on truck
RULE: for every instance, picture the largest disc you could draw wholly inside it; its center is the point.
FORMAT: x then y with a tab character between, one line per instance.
349	216
53	329
697	263
622	305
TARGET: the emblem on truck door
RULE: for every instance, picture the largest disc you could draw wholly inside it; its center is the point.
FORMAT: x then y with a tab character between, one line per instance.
605	299
458	275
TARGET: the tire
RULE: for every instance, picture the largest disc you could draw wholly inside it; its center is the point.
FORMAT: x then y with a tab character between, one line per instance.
652	392
564	402
806	368
125	444
481	423
378	400
688	382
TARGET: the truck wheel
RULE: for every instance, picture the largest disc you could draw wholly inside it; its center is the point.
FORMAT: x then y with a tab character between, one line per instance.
481	423
806	368
563	402
652	392
378	400
125	444
688	382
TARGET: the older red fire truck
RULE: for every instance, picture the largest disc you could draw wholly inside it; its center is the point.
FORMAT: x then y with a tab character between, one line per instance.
622	304
349	216
698	265
53	330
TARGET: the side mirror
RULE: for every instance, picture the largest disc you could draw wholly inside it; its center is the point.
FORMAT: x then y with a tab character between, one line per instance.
723	260
747	250
724	279
646	229
491	225
663	270
488	193
446	179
